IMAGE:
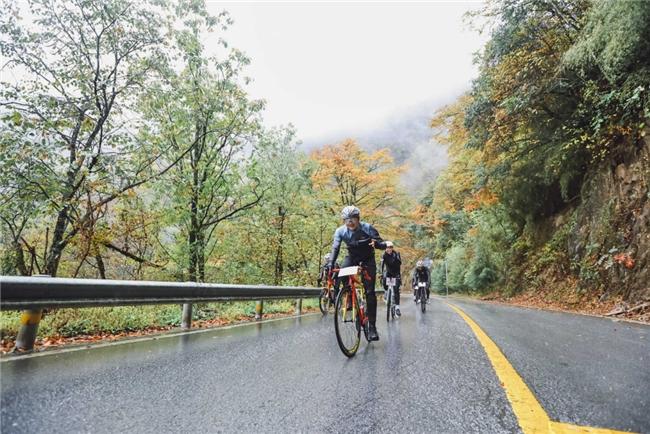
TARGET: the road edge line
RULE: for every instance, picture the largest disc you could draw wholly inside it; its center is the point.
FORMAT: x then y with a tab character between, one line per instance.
549	309
530	414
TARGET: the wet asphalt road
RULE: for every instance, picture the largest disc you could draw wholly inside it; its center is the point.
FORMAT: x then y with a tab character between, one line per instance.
428	373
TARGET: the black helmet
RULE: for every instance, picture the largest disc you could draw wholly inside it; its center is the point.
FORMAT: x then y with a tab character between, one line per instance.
349	212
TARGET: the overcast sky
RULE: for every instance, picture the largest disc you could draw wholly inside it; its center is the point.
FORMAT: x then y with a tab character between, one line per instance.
342	67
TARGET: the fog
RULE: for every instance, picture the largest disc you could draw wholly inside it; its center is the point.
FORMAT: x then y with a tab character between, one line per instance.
375	72
409	138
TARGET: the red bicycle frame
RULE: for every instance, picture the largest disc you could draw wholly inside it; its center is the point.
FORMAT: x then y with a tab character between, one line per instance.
352	283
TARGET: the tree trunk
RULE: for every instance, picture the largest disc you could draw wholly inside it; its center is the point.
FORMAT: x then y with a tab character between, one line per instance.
54	257
19	259
279	254
200	254
194	236
100	265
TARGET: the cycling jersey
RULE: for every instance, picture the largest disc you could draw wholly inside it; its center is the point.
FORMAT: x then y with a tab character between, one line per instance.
421	275
391	264
360	251
357	242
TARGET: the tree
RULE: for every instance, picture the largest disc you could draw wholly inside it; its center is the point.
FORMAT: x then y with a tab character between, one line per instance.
351	176
287	180
65	132
203	108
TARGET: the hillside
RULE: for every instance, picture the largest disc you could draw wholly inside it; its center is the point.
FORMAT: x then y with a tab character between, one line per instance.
546	195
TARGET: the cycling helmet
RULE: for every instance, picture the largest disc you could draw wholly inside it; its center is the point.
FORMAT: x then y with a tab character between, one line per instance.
389	244
420	264
349	212
327	257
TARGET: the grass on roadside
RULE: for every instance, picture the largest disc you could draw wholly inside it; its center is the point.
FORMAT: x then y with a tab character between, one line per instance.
113	320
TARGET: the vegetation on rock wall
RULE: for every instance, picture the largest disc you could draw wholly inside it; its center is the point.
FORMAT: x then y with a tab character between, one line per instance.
547	187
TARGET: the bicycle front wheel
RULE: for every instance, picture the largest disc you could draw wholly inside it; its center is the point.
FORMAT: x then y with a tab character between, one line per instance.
423	300
324	301
389	296
347	323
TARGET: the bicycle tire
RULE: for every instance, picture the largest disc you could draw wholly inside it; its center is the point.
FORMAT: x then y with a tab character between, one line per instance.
388	303
324	301
423	300
340	315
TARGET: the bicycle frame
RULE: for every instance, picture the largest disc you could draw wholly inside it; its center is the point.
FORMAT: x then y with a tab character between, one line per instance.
422	295
351	310
389	297
330	282
352	284
391	282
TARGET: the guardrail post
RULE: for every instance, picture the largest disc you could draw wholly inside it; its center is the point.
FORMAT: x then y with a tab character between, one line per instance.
259	309
298	306
186	319
29	321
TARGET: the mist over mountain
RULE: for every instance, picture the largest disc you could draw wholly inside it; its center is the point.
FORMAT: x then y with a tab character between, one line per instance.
409	138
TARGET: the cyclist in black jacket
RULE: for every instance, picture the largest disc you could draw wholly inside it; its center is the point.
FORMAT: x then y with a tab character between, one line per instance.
421	274
391	264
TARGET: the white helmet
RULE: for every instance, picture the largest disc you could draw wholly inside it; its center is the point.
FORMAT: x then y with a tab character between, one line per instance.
350	211
389	244
420	264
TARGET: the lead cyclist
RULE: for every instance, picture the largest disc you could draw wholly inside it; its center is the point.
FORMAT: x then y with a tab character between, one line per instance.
361	239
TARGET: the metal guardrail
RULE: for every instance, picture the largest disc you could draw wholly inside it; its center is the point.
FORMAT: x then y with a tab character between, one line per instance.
33	294
18	293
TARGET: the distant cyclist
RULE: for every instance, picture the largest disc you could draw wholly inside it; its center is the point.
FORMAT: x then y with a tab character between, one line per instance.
421	274
391	264
361	240
324	274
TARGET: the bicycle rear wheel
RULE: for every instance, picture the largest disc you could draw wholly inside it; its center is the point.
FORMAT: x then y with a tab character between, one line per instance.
347	323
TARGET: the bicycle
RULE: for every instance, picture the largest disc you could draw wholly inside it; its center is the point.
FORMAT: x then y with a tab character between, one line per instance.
326	299
389	297
421	295
350	310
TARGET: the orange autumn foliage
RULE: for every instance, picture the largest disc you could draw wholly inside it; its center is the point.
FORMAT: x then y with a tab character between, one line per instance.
348	175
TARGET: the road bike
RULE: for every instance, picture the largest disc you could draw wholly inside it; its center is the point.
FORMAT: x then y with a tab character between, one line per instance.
327	299
389	297
421	295
350	310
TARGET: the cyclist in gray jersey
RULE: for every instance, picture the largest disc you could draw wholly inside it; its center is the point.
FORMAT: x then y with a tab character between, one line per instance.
361	239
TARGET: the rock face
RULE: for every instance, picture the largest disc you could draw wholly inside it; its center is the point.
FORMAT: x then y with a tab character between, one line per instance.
610	234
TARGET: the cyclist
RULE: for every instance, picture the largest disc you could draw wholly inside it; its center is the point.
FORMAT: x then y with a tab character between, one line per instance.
324	273
421	274
361	240
391	263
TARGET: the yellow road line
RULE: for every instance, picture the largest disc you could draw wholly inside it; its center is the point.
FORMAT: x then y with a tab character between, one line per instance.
530	414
